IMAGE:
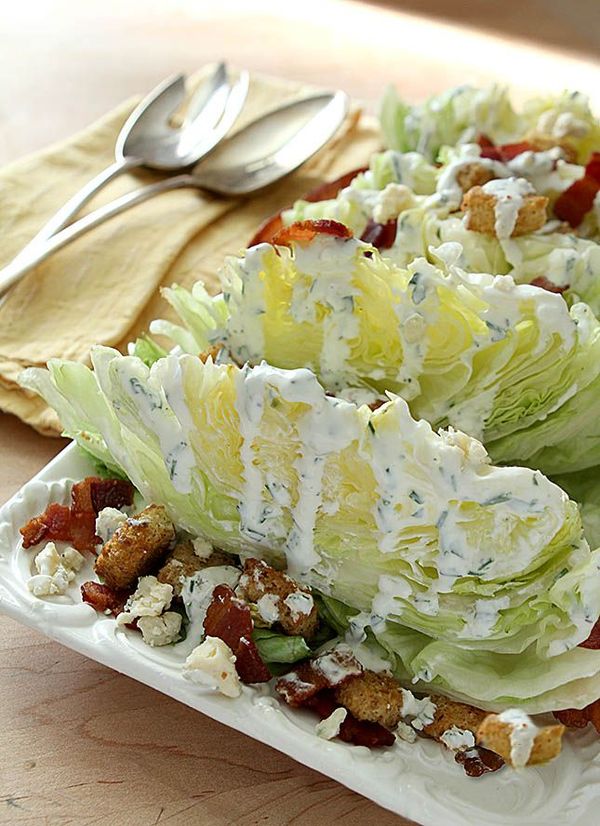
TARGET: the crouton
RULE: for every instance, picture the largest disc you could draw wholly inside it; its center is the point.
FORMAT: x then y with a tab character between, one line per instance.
449	713
211	352
518	740
136	548
374	697
541	142
473	174
279	599
183	561
483	208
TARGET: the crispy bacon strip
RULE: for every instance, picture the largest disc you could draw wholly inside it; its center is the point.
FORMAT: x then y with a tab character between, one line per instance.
330	670
303	232
229	619
381	236
53	524
573	204
324	192
77	524
110	493
310	686
580	717
546	284
88	498
504	152
593	641
359	732
478	761
103	598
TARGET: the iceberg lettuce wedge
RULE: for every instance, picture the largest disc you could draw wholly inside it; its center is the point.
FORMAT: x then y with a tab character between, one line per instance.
508	364
416	530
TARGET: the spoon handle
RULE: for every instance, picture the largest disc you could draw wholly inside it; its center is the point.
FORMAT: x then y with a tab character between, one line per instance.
62	217
33	255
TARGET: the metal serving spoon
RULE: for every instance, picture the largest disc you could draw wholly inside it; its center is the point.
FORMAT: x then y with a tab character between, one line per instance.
147	139
261	153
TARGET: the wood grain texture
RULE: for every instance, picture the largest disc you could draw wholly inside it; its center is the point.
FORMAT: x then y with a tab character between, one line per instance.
82	744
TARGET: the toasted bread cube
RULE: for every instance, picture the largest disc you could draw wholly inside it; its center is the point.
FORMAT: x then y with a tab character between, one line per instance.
183	561
373	697
279	598
136	548
473	174
480	208
212	351
541	142
495	734
449	713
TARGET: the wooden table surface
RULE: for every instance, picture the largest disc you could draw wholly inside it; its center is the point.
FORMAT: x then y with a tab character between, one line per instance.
81	744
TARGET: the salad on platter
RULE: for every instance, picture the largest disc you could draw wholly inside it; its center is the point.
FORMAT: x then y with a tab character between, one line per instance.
366	472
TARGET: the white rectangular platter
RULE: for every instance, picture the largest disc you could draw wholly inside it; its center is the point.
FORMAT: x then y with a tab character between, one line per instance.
420	781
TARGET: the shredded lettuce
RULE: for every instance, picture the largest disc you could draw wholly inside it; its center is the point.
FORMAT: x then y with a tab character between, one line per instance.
148	350
458	115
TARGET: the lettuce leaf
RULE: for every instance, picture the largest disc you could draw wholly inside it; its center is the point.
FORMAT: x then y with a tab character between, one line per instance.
280	648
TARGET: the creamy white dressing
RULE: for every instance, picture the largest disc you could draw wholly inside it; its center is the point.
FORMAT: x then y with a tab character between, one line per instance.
334	668
368	653
328	426
449	189
143	396
197	592
545	170
523	732
509	194
484	615
326	267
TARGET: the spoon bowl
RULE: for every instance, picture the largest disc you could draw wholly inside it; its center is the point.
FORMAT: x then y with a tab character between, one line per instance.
272	146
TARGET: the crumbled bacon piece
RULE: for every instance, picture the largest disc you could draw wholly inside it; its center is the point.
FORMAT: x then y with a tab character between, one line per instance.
229	619
593	641
359	732
329	670
269	228
110	493
329	190
505	152
77	524
83	517
572	717
484	141
103	598
478	761
300	685
573	204
580	717
88	498
546	284
53	524
303	232
381	236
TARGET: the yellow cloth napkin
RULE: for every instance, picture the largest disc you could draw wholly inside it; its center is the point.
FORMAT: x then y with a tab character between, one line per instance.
104	287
